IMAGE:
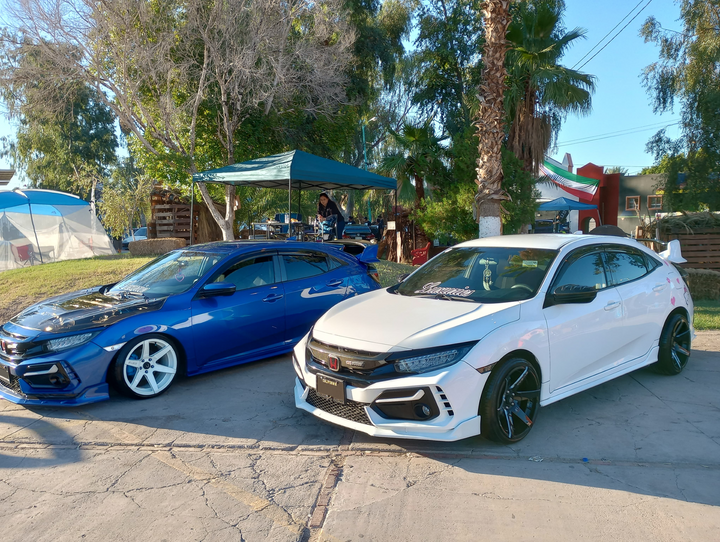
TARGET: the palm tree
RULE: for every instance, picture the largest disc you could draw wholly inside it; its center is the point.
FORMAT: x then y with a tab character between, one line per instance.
490	119
541	91
418	156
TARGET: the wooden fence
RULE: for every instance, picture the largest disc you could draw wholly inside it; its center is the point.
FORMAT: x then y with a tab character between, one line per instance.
701	248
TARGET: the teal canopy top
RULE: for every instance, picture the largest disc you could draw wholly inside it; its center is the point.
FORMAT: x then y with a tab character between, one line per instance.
296	170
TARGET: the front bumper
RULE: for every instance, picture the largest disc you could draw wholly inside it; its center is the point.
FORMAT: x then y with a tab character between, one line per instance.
456	390
85	368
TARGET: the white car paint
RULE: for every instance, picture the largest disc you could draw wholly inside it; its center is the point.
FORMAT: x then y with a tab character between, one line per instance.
575	346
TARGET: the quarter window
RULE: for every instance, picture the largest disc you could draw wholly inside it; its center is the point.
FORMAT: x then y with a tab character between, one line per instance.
301	266
587	270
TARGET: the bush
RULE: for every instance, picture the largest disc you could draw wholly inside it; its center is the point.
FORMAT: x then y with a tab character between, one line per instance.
704	284
155	247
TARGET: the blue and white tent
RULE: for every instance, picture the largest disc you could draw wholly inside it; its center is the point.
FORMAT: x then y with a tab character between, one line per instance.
41	226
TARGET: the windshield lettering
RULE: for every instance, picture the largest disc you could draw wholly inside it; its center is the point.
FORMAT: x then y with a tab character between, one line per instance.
433	288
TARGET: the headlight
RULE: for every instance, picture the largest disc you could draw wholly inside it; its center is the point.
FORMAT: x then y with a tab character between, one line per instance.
432	360
55	345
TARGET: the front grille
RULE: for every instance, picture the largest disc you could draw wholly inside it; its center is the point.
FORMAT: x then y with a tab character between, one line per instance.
355	412
13	385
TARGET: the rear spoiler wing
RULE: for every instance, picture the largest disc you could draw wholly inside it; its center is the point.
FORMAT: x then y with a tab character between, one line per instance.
672	253
369	255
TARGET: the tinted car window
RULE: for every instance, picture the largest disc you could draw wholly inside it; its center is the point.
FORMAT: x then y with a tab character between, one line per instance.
587	270
625	266
250	273
480	274
300	266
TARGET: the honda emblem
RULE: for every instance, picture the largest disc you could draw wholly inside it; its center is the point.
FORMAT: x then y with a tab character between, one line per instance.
333	363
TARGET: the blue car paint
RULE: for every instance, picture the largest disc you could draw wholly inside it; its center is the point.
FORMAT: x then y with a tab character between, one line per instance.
205	329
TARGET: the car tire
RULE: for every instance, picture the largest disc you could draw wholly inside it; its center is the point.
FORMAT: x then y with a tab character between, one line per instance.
146	366
510	401
675	343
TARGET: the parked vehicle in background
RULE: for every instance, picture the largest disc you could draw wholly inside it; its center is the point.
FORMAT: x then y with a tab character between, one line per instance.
139	234
482	335
194	310
358	232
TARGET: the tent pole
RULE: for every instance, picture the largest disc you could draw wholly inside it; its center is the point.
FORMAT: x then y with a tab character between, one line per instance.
32	221
289	204
398	235
192	216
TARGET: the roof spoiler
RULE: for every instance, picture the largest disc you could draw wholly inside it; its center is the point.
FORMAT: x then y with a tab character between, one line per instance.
673	253
369	255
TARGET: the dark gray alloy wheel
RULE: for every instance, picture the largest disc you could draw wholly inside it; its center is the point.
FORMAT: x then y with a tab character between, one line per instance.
510	402
675	342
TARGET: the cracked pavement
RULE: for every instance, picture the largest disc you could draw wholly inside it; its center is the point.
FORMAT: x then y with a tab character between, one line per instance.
226	456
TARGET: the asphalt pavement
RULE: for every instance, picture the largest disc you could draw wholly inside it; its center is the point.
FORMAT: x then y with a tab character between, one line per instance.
226	456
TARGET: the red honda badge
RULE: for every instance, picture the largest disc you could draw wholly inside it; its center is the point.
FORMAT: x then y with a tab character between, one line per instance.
333	363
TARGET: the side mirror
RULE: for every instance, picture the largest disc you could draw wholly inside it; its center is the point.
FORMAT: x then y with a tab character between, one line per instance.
401	278
215	289
570	293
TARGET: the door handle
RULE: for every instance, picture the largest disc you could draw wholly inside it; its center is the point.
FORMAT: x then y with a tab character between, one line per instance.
612	305
659	287
272	297
333	283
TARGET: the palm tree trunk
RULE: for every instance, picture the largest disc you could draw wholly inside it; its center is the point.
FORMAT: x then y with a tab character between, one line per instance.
490	121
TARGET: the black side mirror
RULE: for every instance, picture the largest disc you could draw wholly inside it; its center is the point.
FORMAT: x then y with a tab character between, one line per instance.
570	293
215	289
401	278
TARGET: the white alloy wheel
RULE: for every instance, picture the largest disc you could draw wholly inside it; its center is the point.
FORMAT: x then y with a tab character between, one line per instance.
148	367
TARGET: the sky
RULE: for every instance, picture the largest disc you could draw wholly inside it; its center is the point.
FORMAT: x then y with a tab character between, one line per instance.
620	102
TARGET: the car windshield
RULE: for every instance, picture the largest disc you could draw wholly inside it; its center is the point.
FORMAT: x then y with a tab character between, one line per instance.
173	273
480	274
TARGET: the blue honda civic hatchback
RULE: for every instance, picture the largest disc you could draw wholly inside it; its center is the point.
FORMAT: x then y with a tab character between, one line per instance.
190	311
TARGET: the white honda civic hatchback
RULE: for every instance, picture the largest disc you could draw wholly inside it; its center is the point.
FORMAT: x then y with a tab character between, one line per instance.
481	336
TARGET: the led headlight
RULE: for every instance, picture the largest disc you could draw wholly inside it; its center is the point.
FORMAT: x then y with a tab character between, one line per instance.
432	360
55	345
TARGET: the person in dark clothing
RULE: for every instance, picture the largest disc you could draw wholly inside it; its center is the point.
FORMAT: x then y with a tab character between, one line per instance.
328	208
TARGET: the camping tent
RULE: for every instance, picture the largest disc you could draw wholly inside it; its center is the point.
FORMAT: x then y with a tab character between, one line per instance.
41	226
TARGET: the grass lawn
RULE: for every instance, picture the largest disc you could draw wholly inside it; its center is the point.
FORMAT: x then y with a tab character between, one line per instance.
20	288
707	315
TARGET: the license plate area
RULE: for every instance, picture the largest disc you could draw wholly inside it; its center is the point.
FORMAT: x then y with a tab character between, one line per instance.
333	388
4	373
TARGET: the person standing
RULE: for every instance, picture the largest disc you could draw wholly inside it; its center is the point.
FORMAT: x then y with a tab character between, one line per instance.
327	208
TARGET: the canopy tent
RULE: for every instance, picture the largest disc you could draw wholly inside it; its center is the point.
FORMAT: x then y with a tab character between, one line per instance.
41	226
564	204
295	170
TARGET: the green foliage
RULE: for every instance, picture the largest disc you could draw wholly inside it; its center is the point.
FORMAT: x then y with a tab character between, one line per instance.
520	186
448	45
66	135
125	197
687	74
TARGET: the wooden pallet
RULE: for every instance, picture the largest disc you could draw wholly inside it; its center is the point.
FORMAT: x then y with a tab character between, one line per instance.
171	221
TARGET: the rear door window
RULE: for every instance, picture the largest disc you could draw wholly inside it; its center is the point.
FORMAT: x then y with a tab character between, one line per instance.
625	266
300	266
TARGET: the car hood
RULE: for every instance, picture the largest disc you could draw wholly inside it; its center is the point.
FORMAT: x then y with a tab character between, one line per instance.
381	321
80	310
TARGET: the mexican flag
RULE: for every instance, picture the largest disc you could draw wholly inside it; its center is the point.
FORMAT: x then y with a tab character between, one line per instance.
567	180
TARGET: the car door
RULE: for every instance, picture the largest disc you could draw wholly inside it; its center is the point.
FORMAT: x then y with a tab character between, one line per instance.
313	282
246	324
645	295
581	336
